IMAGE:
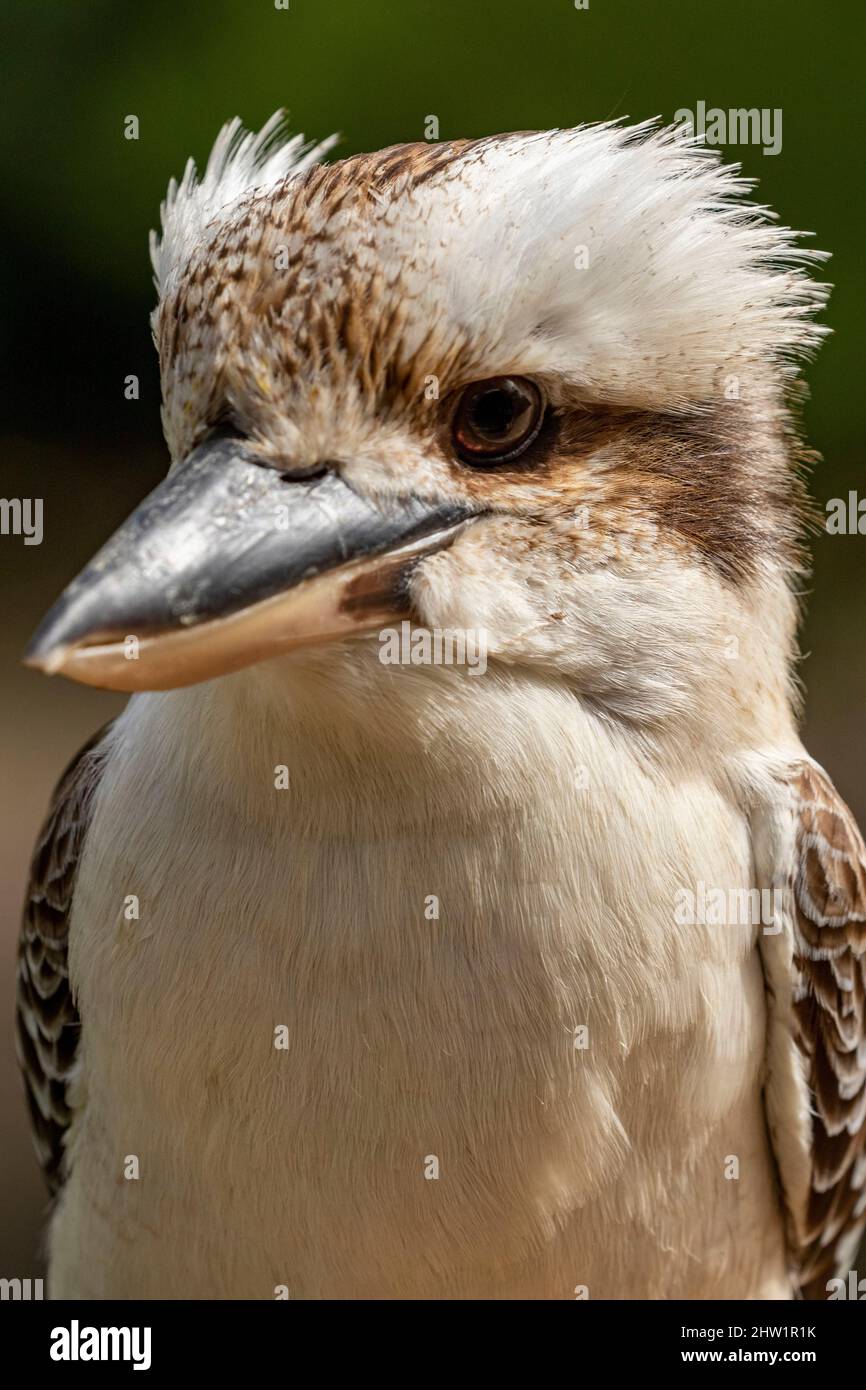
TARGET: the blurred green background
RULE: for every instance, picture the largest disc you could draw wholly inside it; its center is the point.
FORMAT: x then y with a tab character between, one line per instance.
79	200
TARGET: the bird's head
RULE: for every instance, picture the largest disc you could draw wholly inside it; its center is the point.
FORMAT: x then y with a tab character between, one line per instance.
531	387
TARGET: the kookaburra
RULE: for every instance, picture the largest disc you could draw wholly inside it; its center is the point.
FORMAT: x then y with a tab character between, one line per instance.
345	977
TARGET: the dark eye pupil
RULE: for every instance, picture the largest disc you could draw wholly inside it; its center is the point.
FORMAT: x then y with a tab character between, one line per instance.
493	413
497	419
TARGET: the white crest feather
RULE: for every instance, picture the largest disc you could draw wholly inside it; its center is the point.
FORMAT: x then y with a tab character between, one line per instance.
685	275
240	162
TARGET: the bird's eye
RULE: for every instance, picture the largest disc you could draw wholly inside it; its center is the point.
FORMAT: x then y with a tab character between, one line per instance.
496	420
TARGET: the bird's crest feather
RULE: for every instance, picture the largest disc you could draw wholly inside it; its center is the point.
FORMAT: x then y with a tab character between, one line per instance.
240	163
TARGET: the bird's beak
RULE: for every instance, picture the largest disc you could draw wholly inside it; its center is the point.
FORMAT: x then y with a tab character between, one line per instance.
228	562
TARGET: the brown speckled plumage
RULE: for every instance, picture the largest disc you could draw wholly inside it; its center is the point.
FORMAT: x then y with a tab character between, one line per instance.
48	1025
830	1010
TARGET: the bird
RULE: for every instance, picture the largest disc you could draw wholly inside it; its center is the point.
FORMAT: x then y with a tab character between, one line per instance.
352	971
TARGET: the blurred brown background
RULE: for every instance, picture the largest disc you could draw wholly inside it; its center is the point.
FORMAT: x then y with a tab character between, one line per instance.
80	200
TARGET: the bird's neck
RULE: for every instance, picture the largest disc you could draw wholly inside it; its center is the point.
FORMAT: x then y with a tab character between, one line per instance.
345	742
341	739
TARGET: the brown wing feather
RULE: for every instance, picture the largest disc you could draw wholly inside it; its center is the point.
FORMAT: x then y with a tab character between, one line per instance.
48	1025
830	1018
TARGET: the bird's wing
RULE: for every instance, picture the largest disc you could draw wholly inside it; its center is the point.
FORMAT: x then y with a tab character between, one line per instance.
48	1025
816	1083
